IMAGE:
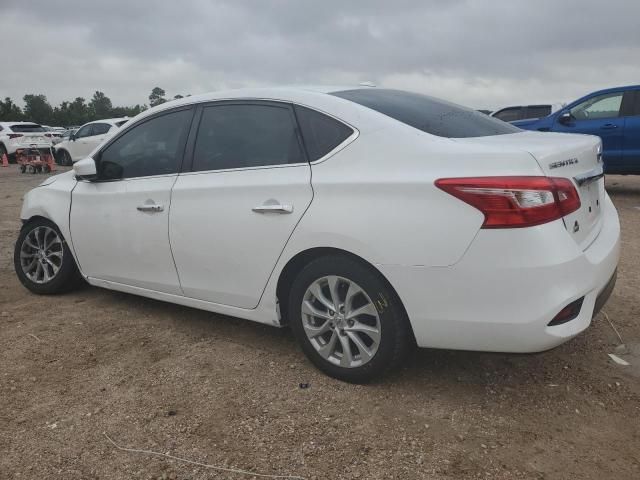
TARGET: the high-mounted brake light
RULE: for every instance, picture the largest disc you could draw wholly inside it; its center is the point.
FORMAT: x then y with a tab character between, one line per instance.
515	202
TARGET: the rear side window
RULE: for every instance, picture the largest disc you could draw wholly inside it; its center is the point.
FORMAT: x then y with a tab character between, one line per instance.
428	114
154	147
538	111
245	136
28	128
100	128
320	133
510	114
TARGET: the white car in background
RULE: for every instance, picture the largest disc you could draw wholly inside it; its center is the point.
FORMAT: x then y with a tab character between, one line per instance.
525	112
366	219
86	139
15	135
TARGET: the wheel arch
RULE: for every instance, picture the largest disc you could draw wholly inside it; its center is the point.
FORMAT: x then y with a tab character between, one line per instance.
296	263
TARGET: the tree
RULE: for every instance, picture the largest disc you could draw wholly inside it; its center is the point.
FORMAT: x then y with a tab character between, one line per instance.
100	106
9	111
157	97
37	109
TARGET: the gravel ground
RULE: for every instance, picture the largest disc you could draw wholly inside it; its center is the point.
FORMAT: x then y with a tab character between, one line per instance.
222	391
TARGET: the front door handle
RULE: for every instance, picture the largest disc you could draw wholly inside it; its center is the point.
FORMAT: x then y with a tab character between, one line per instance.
608	126
273	209
150	208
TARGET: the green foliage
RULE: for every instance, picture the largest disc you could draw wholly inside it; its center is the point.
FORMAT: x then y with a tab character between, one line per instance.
157	97
72	113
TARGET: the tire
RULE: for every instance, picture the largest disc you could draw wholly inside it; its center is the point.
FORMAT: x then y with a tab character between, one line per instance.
38	236
3	151
381	312
22	168
64	158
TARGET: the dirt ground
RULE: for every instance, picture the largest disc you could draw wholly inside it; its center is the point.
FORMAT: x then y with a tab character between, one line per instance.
227	392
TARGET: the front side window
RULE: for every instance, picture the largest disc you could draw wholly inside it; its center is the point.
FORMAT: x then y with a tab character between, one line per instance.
320	132
85	131
154	147
428	114
245	136
100	128
510	114
602	106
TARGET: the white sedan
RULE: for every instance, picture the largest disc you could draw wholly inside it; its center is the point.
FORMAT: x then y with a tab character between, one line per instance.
365	219
81	143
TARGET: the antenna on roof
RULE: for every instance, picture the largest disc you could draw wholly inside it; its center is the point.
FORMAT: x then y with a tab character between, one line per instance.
367	84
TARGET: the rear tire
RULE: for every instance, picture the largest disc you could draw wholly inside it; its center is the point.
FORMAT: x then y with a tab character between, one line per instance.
64	158
363	317
43	260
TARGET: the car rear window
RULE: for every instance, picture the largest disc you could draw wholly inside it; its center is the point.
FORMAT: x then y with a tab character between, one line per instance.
428	114
28	128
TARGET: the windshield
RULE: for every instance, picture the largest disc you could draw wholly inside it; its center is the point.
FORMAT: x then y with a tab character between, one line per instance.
27	128
428	114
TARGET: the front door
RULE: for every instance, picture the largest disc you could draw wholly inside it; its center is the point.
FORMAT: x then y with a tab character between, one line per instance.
232	215
120	222
599	115
78	147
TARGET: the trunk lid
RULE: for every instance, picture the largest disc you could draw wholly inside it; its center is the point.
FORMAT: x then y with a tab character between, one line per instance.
575	157
32	138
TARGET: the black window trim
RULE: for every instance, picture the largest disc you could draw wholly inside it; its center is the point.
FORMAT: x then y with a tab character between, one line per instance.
123	131
187	167
342	145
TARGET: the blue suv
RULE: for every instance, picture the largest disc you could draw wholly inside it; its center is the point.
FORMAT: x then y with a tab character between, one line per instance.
612	114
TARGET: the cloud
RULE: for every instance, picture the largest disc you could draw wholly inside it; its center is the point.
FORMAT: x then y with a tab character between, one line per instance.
479	53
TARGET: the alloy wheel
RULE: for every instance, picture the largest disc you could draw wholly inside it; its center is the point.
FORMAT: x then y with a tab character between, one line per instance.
41	254
341	321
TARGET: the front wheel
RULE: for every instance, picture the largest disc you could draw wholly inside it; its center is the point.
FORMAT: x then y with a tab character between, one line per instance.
42	259
348	320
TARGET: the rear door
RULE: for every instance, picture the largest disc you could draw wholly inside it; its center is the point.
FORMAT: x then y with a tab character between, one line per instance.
631	141
599	115
233	212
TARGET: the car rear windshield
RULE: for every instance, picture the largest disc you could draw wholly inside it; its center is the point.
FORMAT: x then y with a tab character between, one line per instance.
27	128
428	114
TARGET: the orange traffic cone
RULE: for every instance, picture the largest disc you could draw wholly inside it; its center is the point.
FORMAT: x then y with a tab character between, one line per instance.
5	160
51	163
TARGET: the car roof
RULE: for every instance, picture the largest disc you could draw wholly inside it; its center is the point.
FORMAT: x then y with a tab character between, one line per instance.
20	123
108	120
315	96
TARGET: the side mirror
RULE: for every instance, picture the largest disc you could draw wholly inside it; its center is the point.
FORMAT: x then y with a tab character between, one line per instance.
565	118
85	169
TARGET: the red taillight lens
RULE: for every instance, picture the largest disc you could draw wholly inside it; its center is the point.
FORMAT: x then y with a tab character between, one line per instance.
15	135
515	202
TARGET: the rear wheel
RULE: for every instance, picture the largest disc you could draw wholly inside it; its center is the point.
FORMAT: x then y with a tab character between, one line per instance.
347	319
64	158
42	259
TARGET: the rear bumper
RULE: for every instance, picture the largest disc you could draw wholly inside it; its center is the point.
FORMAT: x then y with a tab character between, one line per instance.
508	286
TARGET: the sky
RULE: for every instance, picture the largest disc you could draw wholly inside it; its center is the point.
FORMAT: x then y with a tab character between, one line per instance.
479	53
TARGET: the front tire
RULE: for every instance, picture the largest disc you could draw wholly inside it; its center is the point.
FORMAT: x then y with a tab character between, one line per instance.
43	260
348	320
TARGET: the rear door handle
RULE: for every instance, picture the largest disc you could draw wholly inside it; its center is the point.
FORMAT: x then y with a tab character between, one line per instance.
150	208
273	209
608	126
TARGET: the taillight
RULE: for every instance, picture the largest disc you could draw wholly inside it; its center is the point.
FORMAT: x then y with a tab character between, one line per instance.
48	135
15	135
515	202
